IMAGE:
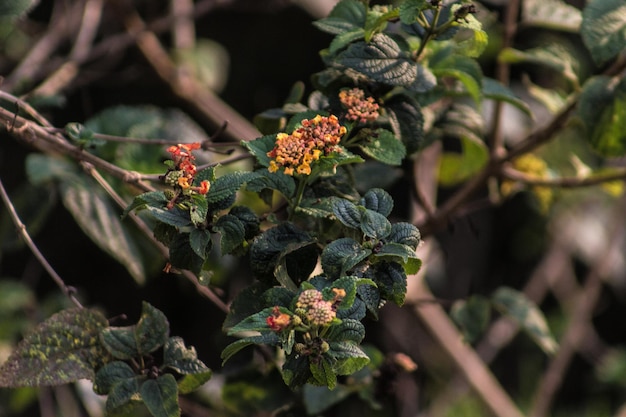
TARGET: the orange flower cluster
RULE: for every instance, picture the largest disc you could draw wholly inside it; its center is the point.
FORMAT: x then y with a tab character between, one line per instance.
185	169
296	151
278	321
360	108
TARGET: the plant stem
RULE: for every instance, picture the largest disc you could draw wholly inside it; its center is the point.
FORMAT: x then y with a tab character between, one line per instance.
298	199
432	31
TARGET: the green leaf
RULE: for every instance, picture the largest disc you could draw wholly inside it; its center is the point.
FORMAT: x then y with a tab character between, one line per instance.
284	184
174	217
323	373
62	349
182	254
120	342
266	248
350	358
111	374
260	147
348	284
456	168
464	69
227	185
346	331
233	232
603	29
609	136
551	14
296	262
161	396
16	8
342	255
345	16
371	298
392	251
412	266
318	399
155	199
472	316
378	200
374	224
200	242
191	382
182	359
410	10
123	396
271	339
382	60
152	329
249	220
405	234
344	39
249	301
494	90
256	322
391	281
476	44
515	305
383	146
96	216
407	121
553	56
317	207
347	213
198	210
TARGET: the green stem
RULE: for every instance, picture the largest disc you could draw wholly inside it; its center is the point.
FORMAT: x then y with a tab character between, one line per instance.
299	193
432	32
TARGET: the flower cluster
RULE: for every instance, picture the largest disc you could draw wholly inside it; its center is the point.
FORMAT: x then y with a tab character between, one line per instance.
317	311
359	108
183	169
278	321
296	151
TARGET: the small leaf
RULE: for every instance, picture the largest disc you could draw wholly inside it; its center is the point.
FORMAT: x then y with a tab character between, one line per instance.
120	342
347	331
161	396
391	281
152	329
472	316
62	349
182	359
200	242
153	199
110	375
260	147
249	220
378	200
603	29
233	232
391	251
271	339
323	373
123	396
350	358
182	255
256	322
553	56
383	146
347	213
249	301
342	255
371	298
374	224
464	69
410	10
515	304
405	234
284	184
345	16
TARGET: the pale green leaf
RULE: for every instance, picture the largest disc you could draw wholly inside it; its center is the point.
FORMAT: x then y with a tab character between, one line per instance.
603	29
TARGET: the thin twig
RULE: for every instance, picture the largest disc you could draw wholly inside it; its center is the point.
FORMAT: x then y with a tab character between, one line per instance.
21	228
564	182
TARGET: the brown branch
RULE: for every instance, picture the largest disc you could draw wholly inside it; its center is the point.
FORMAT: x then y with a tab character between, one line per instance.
21	229
565	182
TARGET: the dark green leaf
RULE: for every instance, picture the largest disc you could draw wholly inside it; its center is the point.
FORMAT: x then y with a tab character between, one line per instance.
551	14
296	262
62	349
382	60
256	322
296	371
120	342
123	396
182	255
393	250
378	200
111	374
182	359
284	184
407	121
97	217
603	29
318	399
347	213
515	305
371	298
317	207
391	281
410	10
227	185
341	255
383	146
198	210
233	232
271	339
174	217
260	147
472	316
374	224
553	56
344	39
161	396
323	373
494	90
200	242
346	15
346	331
348	284
405	234
267	247
350	358
278	296
155	199
248	302
152	329
249	220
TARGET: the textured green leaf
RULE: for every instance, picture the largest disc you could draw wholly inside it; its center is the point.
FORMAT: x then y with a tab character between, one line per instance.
198	210
494	90
551	14
347	213
191	382
378	200
62	349
345	16
323	373
410	10
249	220
16	8
350	358
603	29
344	39
260	147
101	222
296	371
374	224
155	199
152	329
182	255
382	60
256	322
347	330
161	396
456	168
181	358
515	305
271	339
174	217
200	242
341	255
391	281
407	121
227	185
472	316
371	298
233	232
348	284
123	396
392	251
405	234
110	374
317	207
284	184
383	146
120	342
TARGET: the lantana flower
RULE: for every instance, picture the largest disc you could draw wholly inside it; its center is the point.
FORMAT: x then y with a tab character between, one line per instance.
296	152
278	321
359	107
184	169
